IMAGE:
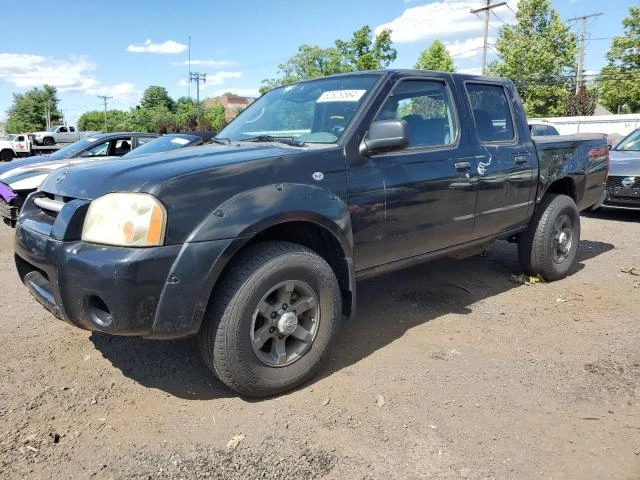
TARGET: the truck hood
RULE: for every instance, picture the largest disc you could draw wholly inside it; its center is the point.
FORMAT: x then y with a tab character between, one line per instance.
150	173
624	163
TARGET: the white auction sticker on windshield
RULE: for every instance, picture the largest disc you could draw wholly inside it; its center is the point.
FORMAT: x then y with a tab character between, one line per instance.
180	141
341	96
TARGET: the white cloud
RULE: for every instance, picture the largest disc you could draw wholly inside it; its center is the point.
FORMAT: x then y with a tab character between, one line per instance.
471	71
149	47
67	75
217	78
469	48
441	19
124	93
208	63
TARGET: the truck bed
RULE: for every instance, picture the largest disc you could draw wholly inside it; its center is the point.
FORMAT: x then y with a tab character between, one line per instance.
583	158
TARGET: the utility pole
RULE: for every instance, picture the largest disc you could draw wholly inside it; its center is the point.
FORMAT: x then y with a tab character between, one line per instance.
189	84
105	98
198	77
487	10
581	40
48	113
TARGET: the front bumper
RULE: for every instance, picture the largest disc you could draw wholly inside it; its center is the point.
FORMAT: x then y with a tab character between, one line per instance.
622	196
159	292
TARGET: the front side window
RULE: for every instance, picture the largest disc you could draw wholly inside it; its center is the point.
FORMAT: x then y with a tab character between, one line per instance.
317	111
426	107
491	112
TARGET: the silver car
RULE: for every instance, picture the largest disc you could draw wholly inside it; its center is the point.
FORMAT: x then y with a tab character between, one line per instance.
623	182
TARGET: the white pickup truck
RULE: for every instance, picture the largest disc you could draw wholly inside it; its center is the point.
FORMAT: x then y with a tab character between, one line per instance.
60	134
14	146
20	145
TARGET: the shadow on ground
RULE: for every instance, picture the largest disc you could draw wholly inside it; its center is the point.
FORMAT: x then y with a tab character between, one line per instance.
388	306
614	214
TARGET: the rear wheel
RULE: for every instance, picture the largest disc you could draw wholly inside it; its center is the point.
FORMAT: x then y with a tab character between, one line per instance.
271	319
550	244
6	155
48	141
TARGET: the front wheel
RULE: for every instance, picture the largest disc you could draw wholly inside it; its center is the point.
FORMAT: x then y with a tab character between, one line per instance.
550	244
271	319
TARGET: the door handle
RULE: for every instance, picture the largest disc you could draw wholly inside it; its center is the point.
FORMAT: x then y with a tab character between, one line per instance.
462	166
520	159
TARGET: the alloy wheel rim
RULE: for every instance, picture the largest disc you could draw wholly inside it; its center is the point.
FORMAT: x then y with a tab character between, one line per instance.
285	323
562	238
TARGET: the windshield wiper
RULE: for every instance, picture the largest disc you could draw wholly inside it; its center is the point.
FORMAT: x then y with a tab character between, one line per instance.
221	140
268	138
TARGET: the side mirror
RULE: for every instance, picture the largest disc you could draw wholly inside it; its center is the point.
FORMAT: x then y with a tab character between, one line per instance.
385	135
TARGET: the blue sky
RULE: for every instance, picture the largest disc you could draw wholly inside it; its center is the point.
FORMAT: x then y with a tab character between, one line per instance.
119	48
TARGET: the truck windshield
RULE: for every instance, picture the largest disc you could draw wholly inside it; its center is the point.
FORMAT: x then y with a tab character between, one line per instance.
70	150
630	142
317	111
165	143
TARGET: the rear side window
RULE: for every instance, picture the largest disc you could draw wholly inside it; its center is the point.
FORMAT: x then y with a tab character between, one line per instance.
426	107
491	112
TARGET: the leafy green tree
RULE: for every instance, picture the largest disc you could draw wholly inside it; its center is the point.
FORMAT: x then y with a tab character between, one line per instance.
117	120
362	52
186	116
28	113
619	82
437	58
155	97
538	53
214	117
156	120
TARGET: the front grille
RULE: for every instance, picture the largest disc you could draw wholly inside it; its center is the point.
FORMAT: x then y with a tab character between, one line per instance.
9	212
56	198
615	188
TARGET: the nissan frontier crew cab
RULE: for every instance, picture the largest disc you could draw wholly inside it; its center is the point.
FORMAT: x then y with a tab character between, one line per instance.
255	244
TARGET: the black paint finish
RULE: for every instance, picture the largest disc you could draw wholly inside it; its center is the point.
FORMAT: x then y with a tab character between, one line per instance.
385	211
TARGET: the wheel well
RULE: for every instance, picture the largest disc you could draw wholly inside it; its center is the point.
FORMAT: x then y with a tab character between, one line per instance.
321	241
563	186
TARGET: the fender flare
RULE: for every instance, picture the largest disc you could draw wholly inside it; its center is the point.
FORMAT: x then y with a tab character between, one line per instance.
227	229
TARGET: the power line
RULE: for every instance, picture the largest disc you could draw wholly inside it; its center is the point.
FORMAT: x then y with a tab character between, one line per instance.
487	9
105	98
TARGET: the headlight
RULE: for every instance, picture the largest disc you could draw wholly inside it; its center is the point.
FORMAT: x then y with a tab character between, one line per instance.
125	219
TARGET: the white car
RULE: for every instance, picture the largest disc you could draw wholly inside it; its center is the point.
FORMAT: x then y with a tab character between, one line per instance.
21	177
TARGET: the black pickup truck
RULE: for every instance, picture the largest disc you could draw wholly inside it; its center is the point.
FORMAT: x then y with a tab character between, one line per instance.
255	244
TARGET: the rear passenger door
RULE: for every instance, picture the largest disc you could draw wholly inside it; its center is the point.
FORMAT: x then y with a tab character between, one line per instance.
507	170
429	188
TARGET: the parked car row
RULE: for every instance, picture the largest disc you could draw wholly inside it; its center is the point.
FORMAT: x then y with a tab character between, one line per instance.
19	178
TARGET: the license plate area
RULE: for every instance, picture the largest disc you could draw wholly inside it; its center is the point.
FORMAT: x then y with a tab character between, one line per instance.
626	192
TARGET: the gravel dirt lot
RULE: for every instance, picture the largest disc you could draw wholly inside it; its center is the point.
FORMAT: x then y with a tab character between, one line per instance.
450	370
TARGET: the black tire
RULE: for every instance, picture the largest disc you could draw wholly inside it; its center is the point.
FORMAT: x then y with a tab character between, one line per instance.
48	142
539	249
6	155
225	337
